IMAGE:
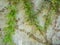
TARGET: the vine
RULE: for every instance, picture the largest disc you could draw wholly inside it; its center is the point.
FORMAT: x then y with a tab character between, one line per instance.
31	16
11	22
54	7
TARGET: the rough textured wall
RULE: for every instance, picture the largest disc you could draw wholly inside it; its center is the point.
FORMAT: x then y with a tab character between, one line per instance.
23	34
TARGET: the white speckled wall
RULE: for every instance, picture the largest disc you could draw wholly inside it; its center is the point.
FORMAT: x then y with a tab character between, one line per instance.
21	36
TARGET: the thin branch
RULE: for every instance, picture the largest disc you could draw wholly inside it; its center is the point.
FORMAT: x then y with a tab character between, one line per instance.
32	36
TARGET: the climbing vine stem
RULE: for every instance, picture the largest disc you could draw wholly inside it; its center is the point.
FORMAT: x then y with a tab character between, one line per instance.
29	12
11	22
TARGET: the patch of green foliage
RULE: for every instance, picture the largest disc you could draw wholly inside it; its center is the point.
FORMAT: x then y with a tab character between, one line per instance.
55	4
31	16
48	21
11	22
54	7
